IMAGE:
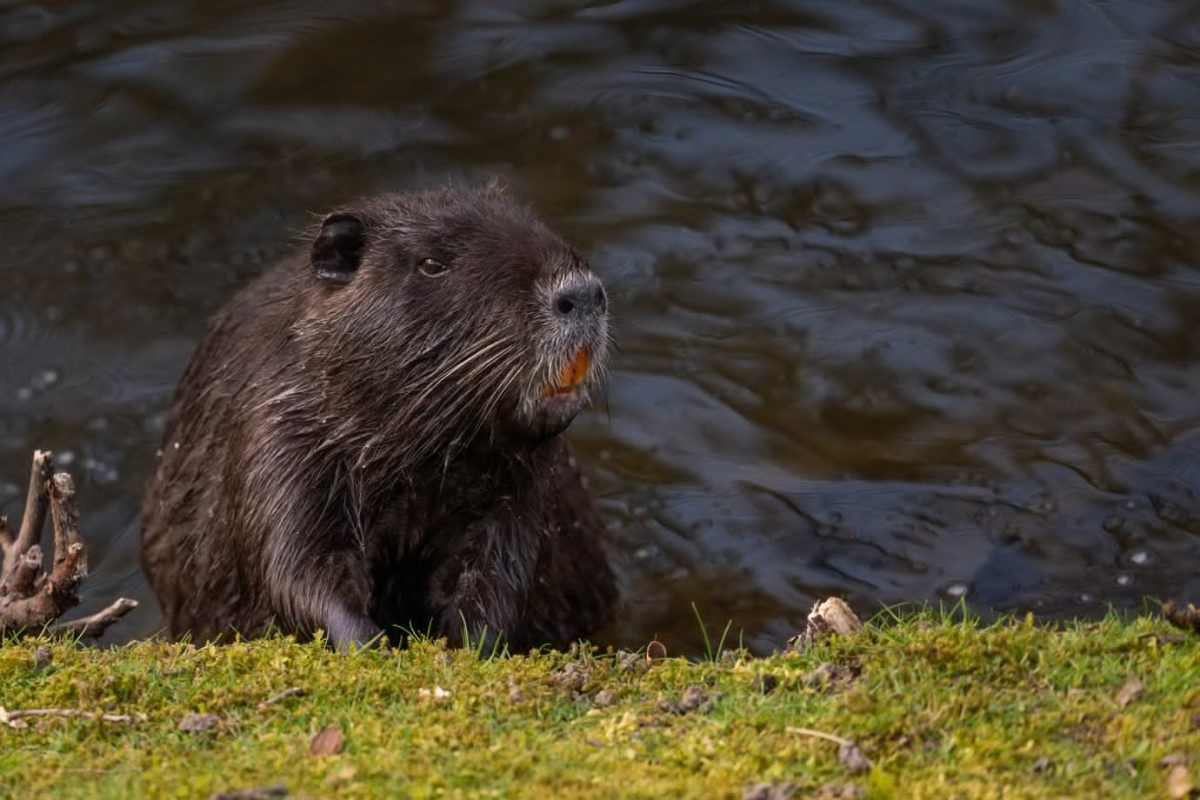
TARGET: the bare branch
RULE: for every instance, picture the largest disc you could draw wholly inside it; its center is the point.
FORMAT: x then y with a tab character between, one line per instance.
32	596
294	691
32	613
16	719
36	501
21	581
66	522
818	734
94	625
67	575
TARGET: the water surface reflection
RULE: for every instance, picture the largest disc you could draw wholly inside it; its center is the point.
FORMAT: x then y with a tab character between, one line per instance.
906	291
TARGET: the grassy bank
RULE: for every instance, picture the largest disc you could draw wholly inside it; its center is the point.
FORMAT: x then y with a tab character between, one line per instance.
935	708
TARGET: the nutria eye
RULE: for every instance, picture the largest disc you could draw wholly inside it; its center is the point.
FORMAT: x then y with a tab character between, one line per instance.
432	268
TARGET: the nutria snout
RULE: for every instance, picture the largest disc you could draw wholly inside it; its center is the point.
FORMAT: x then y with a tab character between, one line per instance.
368	436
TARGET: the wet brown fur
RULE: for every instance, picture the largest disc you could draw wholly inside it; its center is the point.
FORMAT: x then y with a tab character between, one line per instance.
367	453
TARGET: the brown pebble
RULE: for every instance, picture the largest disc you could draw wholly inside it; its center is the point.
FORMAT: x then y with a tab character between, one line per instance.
604	698
326	743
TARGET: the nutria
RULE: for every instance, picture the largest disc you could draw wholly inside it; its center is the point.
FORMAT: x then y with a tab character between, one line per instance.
367	439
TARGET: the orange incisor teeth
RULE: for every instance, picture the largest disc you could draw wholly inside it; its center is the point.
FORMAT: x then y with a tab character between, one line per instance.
571	374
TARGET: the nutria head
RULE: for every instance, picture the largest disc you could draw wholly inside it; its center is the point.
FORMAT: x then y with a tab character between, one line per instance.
437	320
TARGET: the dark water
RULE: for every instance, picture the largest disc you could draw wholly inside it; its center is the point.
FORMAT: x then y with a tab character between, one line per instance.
907	291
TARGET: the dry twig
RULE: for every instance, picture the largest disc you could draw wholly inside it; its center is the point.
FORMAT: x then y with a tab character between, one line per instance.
16	719
275	698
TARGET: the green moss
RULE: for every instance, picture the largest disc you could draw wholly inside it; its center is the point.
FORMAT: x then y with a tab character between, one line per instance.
942	708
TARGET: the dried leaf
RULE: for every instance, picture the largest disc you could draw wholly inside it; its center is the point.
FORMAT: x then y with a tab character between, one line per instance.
326	743
1178	782
1131	691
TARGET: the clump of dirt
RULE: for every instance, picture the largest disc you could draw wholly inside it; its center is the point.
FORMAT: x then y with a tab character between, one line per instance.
730	657
631	662
199	723
765	683
830	676
572	679
852	757
694	698
770	791
840	791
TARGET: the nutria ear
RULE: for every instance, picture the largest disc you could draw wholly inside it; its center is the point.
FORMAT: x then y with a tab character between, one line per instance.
338	248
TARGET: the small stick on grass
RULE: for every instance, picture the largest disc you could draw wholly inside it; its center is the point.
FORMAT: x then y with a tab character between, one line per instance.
849	753
15	719
275	698
819	735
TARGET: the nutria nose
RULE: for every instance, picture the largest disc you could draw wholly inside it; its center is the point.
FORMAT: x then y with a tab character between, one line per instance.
581	296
